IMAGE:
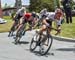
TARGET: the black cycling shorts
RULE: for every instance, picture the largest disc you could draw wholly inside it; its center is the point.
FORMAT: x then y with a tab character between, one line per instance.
49	22
26	21
17	18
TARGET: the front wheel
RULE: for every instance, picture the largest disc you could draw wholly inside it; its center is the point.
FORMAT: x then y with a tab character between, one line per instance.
34	41
46	45
18	37
17	40
10	33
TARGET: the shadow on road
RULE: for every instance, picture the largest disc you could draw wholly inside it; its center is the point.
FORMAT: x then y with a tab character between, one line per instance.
65	49
38	54
22	42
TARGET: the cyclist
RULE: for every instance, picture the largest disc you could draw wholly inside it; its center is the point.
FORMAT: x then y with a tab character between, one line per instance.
27	18
17	17
42	15
52	16
58	18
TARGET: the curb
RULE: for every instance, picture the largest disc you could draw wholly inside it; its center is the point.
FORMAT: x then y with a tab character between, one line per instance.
59	38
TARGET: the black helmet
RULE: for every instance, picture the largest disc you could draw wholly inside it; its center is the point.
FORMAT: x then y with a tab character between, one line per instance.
33	14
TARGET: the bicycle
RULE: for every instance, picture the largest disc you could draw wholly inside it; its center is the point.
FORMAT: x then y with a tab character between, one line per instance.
44	41
20	33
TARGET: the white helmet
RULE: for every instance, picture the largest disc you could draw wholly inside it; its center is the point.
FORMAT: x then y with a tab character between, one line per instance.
23	8
45	9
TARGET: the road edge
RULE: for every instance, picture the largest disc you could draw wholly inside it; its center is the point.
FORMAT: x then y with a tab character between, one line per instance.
63	38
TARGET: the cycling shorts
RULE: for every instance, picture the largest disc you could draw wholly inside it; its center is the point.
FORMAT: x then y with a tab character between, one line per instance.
17	18
49	22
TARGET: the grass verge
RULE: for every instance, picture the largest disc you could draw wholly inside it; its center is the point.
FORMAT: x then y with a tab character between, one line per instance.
68	30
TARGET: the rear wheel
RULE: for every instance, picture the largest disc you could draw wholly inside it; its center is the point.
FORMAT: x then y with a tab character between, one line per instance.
11	30
10	33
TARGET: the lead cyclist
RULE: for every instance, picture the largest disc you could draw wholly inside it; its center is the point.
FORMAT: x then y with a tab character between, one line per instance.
49	18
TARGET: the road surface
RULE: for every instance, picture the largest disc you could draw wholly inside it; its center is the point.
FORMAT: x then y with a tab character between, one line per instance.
60	50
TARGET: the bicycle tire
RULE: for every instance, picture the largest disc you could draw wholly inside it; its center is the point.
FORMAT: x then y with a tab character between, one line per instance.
50	40
18	36
34	40
20	33
17	40
23	30
11	31
10	34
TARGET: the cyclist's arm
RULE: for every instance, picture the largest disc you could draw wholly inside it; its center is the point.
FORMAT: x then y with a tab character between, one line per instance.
44	21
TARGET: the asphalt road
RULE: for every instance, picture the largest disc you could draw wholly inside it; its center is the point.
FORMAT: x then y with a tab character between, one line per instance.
60	50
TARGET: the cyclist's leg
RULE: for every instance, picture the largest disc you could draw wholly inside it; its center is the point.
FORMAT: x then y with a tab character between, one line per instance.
43	28
50	25
44	25
30	25
59	28
34	21
15	22
14	25
20	25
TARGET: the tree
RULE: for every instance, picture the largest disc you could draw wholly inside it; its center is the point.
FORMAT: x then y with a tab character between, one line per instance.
34	5
6	6
37	5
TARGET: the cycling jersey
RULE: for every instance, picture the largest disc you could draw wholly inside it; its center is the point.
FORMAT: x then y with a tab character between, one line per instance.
19	14
51	17
43	13
27	16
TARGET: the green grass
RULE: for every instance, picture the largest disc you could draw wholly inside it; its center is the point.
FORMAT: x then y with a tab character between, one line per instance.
68	30
6	27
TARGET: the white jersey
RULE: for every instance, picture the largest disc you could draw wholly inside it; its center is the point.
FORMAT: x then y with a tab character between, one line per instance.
50	16
20	12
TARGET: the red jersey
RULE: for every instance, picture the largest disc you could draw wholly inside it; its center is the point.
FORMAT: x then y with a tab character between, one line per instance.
27	16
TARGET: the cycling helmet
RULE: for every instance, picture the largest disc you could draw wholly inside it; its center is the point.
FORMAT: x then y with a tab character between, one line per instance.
23	8
43	12
33	14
